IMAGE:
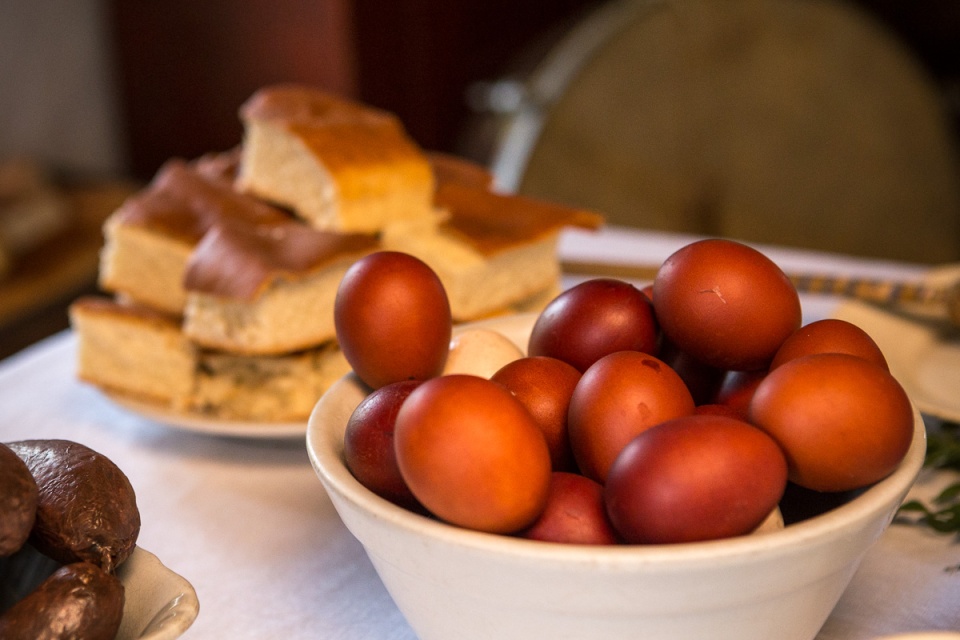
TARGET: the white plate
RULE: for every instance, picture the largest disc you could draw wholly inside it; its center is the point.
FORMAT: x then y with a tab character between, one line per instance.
198	423
158	603
515	327
923	353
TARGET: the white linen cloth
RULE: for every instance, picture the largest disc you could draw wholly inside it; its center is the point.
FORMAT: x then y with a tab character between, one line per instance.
247	522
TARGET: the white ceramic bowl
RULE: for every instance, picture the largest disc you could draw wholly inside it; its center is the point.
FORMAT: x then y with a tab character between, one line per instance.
158	603
453	583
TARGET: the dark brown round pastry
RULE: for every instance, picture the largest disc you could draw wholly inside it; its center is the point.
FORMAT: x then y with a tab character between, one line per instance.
79	600
87	509
18	501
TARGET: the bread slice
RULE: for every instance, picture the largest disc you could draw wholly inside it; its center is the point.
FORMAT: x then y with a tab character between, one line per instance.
449	168
134	351
148	240
222	166
281	388
138	353
262	290
492	251
339	165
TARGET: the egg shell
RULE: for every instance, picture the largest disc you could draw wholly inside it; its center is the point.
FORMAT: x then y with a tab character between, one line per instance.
618	397
593	319
843	422
368	449
574	513
544	385
725	304
480	352
472	454
830	335
694	478
392	318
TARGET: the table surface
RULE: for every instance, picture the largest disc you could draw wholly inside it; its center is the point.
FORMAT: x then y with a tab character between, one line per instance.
249	525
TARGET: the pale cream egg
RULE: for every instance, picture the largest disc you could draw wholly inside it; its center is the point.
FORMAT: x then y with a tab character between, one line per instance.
480	352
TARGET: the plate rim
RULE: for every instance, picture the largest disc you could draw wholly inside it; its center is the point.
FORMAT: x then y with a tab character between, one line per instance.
206	425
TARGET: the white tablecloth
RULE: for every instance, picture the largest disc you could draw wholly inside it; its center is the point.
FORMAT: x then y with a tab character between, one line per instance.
249	525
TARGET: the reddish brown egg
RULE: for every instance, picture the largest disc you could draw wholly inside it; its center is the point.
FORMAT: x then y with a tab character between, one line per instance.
843	422
701	379
831	335
392	319
713	409
544	386
647	290
574	513
737	390
472	454
621	395
368	449
694	478
593	319
725	304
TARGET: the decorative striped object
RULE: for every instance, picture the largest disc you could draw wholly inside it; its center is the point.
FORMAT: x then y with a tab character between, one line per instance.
885	292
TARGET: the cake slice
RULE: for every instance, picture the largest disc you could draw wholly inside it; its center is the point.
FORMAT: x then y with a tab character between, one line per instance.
148	240
493	252
137	353
134	351
223	166
449	168
267	289
281	388
337	164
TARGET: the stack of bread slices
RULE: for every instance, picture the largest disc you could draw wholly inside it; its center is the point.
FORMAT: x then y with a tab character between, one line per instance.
220	275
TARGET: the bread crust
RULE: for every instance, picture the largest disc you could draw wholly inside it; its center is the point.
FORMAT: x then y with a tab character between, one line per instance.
150	237
139	353
337	164
492	251
224	270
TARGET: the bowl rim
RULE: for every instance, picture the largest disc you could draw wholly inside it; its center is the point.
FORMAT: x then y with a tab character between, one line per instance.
324	441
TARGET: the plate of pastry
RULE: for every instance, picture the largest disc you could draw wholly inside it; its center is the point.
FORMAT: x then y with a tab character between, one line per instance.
219	277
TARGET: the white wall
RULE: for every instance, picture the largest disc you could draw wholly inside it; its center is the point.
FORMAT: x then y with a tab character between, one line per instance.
57	97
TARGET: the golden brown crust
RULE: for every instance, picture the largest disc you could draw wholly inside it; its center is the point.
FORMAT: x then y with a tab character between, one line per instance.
493	222
345	134
238	260
93	304
450	168
302	105
349	150
182	203
219	165
366	151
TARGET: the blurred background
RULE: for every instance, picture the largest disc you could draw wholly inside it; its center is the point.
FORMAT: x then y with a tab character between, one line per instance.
96	94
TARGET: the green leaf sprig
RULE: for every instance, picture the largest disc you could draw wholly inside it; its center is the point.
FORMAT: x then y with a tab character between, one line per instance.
942	513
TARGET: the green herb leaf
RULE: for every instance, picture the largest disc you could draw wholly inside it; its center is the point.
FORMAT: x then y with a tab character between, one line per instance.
943	514
943	448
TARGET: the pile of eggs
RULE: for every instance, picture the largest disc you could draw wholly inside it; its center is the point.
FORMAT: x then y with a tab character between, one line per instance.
676	413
